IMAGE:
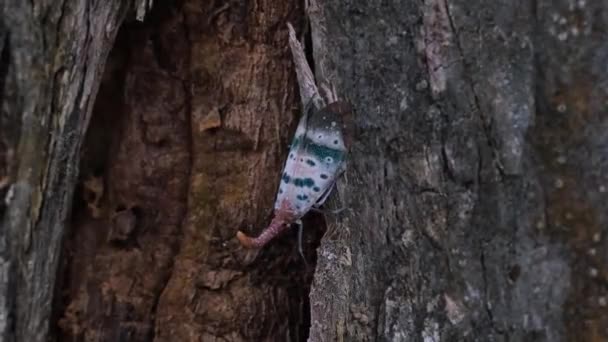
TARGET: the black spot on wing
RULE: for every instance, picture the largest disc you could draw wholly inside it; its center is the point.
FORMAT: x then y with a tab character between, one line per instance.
304	182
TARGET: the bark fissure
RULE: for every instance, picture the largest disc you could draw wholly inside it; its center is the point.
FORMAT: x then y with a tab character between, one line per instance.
486	291
486	124
62	11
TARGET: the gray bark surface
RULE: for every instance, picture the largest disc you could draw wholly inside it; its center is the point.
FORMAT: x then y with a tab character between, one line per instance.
476	188
53	53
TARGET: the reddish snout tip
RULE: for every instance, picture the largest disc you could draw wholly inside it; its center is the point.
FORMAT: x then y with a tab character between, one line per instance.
277	225
245	240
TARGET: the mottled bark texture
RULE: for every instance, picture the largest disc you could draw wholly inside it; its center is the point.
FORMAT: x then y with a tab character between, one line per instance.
187	138
52	57
475	194
477	184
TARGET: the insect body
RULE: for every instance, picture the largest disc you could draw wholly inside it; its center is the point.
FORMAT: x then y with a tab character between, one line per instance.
316	158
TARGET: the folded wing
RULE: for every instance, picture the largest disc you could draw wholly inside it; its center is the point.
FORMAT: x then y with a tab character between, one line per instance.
316	158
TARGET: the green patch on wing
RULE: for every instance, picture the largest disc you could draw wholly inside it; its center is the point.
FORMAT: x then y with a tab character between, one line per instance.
321	152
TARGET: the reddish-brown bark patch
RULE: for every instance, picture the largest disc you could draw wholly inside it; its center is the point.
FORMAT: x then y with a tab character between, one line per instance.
185	147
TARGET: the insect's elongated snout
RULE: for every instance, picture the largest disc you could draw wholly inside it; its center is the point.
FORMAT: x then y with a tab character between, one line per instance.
277	226
247	241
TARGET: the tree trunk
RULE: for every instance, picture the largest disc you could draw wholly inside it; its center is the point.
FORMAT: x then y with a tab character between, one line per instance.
53	55
477	183
191	126
475	191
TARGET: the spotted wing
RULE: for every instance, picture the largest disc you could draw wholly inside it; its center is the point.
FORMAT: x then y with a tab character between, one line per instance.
316	158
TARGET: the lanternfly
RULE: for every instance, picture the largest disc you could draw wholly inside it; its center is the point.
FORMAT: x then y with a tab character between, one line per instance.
316	158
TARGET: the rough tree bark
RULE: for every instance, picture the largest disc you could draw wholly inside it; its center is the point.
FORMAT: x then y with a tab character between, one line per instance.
201	100
475	194
477	185
53	54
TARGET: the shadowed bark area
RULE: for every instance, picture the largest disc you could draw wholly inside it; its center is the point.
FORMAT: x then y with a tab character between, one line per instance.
134	185
477	185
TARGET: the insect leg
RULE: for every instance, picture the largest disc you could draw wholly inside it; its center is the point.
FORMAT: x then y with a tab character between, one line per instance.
300	230
325	212
316	207
325	195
